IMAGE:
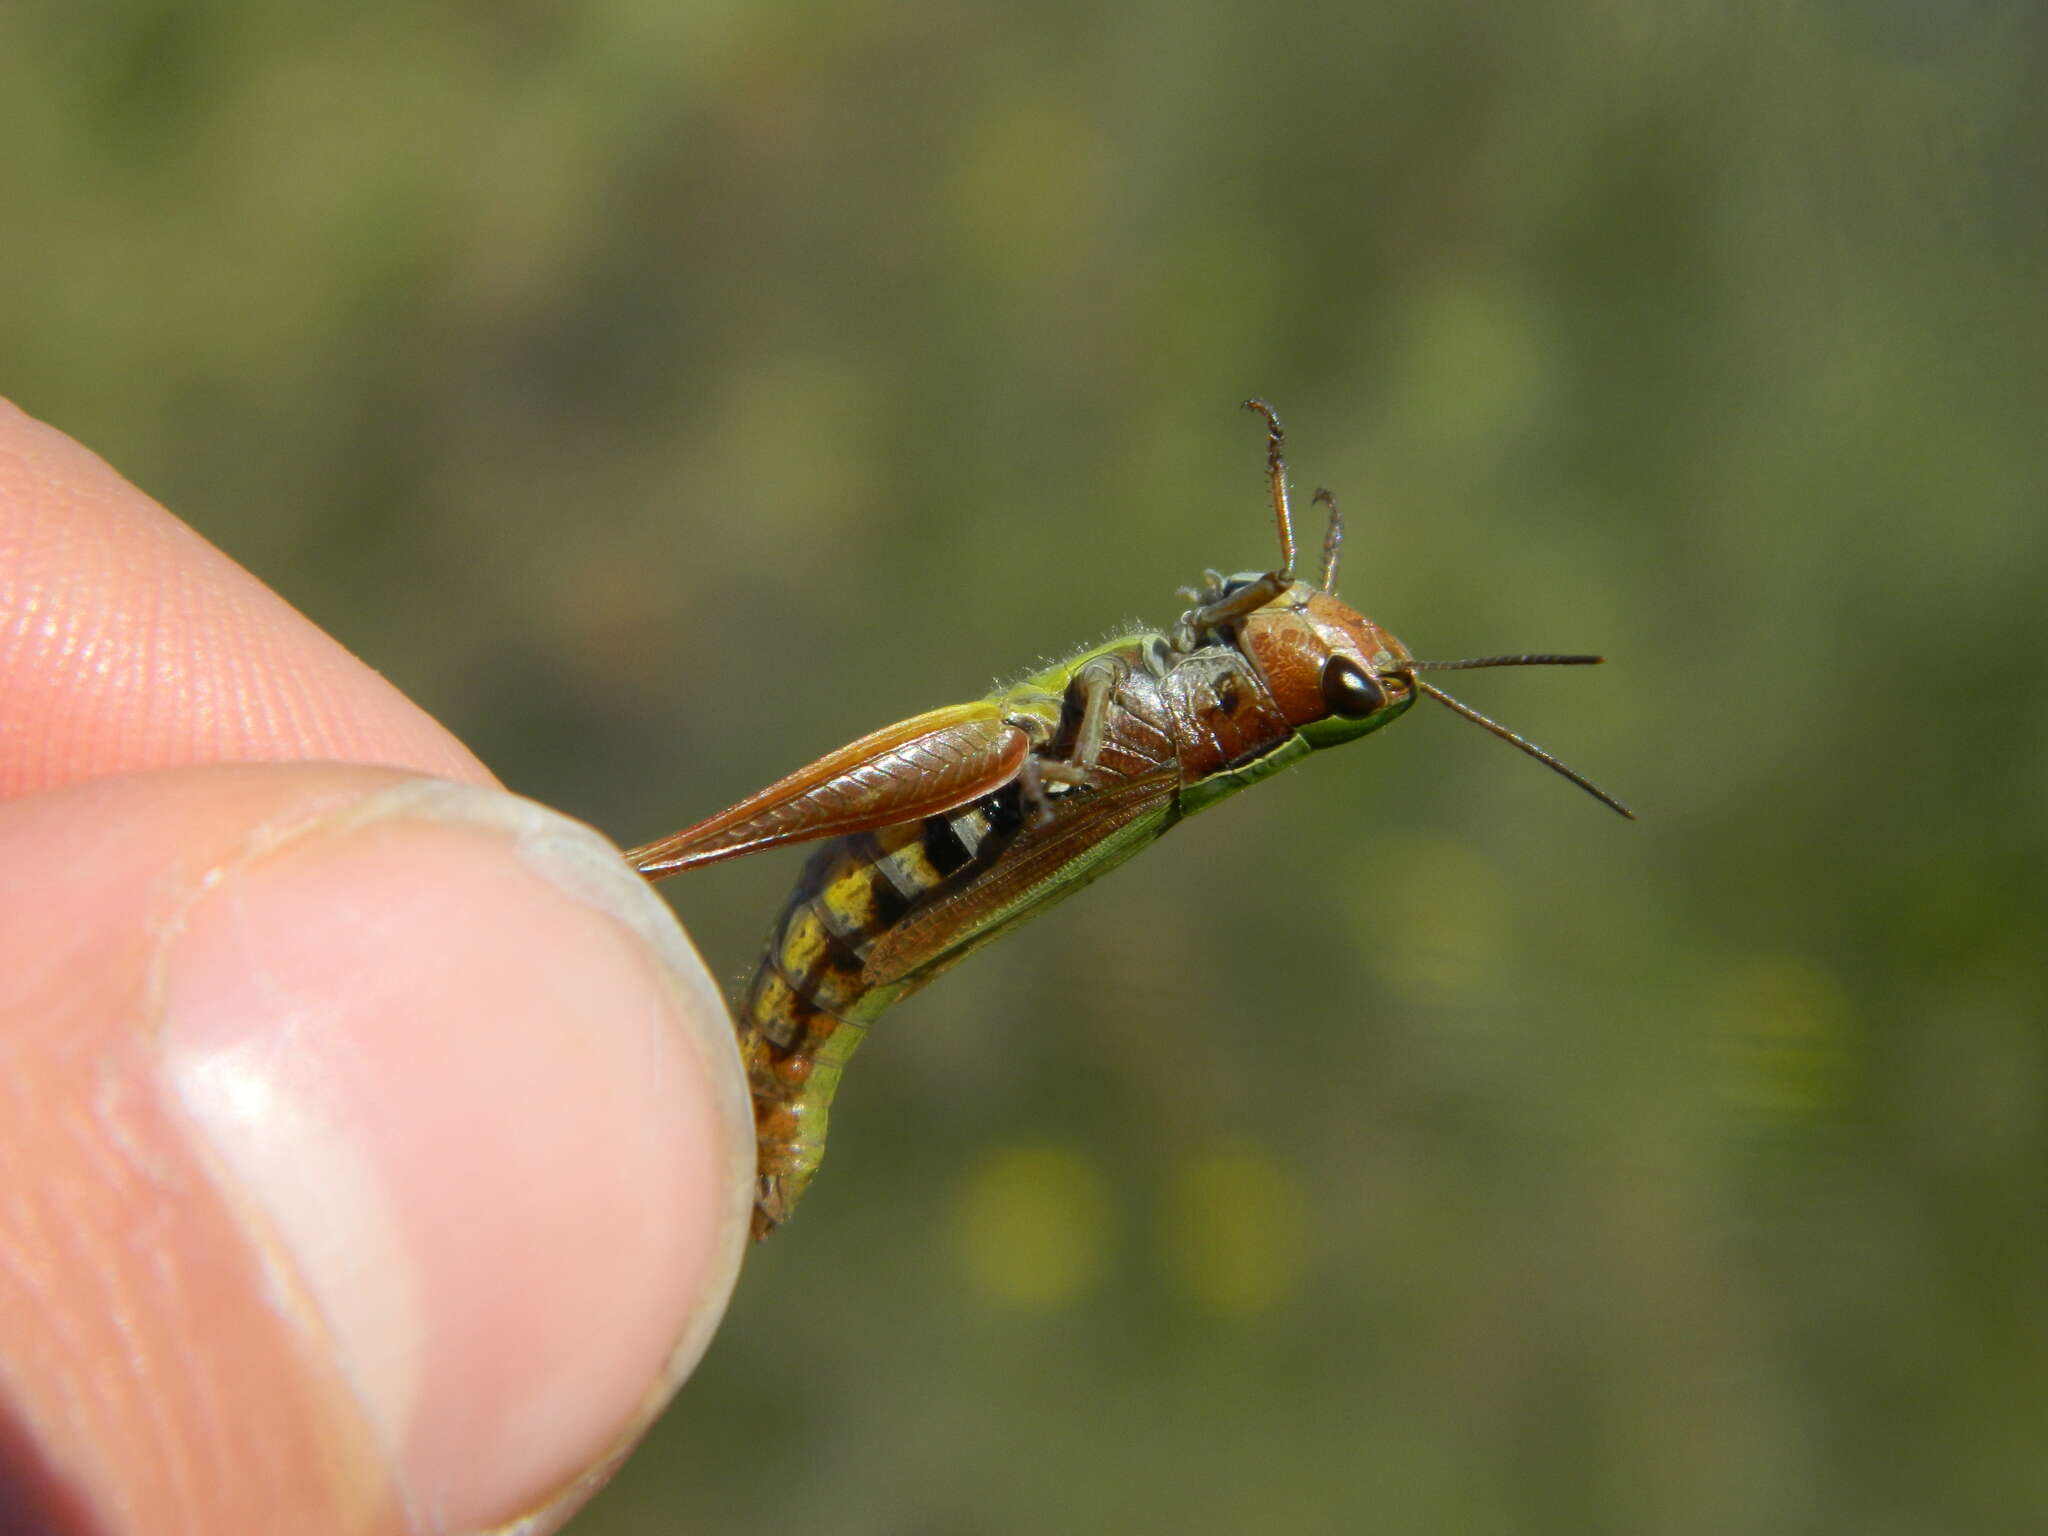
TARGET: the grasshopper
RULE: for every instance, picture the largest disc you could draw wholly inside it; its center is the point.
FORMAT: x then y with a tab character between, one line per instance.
948	829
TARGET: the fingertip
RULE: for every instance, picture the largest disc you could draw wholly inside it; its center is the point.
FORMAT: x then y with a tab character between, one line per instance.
129	643
481	1101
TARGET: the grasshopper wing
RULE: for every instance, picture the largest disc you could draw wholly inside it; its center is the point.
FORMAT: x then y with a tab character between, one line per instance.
917	767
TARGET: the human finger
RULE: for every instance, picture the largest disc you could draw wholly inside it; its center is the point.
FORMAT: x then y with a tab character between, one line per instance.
373	1154
127	642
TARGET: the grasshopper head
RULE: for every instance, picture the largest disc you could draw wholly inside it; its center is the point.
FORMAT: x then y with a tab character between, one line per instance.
1334	673
1337	675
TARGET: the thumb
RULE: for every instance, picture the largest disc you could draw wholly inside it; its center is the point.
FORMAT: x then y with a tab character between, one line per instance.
373	1155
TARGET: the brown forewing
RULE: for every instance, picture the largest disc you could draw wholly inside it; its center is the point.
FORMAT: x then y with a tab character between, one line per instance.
922	766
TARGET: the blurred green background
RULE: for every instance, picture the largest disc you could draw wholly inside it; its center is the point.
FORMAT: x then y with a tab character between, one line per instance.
664	394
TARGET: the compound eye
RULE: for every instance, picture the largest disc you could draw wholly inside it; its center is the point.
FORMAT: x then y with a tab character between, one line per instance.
1348	691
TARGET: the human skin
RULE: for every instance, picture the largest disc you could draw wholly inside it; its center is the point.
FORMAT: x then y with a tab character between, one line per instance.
374	1155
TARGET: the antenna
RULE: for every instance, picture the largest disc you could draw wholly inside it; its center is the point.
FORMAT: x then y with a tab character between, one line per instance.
1521	743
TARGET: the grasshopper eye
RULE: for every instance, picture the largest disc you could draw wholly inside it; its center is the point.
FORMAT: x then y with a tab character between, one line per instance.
1347	691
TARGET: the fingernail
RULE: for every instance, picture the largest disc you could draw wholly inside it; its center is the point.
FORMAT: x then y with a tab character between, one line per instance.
479	1105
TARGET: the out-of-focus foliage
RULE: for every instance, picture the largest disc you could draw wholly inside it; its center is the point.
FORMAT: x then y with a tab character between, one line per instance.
664	394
